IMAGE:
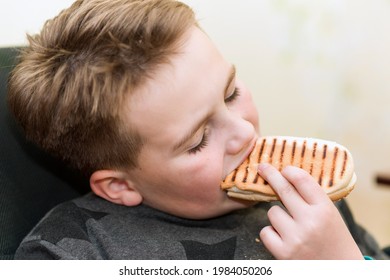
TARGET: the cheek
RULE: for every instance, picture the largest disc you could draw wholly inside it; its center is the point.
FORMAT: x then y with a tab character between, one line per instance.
204	172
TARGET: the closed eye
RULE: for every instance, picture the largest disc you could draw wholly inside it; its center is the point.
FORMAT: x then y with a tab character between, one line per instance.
203	143
233	96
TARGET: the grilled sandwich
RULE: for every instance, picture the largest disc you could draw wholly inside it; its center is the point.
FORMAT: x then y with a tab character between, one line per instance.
329	163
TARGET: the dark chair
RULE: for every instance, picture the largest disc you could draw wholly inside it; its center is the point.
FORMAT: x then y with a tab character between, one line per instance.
31	182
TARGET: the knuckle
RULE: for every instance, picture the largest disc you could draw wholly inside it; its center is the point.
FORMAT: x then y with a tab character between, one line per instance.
285	189
299	175
288	253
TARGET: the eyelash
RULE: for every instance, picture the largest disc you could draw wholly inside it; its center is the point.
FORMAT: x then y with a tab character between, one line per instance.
233	96
203	143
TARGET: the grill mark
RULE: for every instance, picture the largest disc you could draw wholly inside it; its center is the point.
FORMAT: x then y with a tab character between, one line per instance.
281	155
259	159
303	153
335	154
272	150
313	155
320	178
344	164
246	171
324	152
261	151
234	174
322	165
271	155
293	152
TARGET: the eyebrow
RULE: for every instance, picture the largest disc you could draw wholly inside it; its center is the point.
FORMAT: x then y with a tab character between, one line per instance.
199	124
231	77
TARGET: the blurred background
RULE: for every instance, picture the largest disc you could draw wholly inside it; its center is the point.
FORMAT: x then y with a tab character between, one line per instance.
316	69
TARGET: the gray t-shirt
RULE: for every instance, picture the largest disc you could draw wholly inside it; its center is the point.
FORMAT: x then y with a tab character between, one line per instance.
92	228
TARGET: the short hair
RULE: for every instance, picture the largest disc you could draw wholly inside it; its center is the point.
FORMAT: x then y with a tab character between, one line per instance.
68	90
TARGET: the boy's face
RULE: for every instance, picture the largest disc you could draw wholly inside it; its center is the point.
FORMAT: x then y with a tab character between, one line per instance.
200	123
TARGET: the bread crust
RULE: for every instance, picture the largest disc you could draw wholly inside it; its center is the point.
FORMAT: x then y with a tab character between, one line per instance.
330	163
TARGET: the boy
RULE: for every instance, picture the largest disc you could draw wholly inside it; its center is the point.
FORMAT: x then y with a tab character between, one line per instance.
135	95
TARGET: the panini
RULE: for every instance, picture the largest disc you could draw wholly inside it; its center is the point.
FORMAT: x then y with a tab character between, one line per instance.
329	163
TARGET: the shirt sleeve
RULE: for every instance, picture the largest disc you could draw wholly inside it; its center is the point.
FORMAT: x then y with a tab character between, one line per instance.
64	233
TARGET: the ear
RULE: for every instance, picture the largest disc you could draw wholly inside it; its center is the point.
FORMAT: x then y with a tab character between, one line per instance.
114	186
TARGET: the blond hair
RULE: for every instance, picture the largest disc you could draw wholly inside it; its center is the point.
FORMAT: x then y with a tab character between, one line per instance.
68	90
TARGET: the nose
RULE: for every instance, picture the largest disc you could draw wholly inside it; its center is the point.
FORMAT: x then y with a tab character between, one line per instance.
240	134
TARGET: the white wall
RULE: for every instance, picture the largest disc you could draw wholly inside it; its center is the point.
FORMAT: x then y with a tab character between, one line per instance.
316	68
18	17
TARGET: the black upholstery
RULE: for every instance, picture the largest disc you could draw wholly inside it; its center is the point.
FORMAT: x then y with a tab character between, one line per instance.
31	182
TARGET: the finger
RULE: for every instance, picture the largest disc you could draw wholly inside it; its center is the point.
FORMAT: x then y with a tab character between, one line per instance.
281	221
291	199
305	185
271	240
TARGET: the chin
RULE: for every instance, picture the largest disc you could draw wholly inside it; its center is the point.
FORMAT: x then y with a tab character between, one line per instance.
231	205
212	213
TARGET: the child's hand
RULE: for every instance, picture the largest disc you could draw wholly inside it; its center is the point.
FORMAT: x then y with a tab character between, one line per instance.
312	228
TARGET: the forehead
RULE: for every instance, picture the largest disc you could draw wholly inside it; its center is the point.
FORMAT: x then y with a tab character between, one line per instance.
180	92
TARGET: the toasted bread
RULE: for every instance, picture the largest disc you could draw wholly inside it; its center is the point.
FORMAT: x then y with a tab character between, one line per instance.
329	163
